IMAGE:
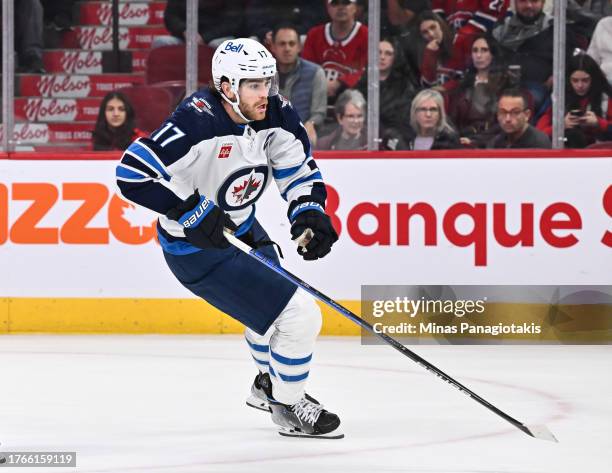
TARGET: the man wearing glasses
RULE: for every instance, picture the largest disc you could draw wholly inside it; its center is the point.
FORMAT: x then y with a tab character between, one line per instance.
513	117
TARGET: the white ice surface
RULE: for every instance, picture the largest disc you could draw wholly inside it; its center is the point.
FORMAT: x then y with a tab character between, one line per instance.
176	404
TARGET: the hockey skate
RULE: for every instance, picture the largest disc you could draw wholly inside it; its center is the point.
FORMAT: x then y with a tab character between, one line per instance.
258	398
306	418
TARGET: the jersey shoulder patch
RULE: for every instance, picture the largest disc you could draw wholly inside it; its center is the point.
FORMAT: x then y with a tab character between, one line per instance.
202	117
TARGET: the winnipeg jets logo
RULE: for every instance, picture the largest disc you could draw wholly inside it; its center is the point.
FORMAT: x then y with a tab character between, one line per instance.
284	101
201	106
243	192
243	187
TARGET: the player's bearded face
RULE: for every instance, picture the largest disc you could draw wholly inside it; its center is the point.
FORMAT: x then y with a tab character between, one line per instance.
254	98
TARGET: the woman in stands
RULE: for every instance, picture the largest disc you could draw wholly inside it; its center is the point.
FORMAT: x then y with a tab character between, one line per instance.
396	88
350	132
428	128
115	124
588	113
473	105
434	52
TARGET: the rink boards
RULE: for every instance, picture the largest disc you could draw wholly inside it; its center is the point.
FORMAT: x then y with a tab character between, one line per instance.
77	258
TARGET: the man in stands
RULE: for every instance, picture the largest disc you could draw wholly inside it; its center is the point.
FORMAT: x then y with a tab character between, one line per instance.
217	21
301	81
340	47
29	36
513	116
527	41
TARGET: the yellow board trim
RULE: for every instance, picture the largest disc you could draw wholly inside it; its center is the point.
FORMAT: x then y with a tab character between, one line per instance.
166	316
588	323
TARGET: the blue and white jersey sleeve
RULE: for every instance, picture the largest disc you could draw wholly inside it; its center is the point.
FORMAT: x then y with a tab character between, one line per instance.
146	173
295	171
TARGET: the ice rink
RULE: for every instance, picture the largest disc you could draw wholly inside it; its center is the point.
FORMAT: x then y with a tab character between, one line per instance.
176	404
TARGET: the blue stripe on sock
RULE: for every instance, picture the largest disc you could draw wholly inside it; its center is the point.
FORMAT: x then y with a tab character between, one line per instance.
261	362
259	348
295	378
290	361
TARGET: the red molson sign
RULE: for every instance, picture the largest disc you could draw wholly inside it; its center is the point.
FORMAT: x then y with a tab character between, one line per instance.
85	62
63	86
81	61
101	38
74	86
56	110
130	13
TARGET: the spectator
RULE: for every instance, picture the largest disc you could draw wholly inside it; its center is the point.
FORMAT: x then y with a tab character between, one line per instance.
340	47
115	124
29	36
584	16
513	114
402	16
527	41
301	81
262	16
403	13
473	105
350	133
428	128
437	66
58	14
470	18
600	48
395	91
588	115
217	21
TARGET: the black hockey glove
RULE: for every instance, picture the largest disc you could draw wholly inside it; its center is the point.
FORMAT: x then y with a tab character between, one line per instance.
310	215
202	222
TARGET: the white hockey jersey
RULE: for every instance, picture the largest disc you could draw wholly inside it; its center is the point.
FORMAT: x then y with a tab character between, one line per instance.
200	147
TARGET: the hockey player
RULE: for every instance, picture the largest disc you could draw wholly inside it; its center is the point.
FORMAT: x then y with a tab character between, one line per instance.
203	170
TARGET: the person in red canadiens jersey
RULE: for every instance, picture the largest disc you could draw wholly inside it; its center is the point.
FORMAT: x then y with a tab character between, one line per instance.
437	65
203	171
340	47
469	18
115	124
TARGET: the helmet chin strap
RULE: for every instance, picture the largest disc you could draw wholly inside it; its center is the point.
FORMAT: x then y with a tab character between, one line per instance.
236	105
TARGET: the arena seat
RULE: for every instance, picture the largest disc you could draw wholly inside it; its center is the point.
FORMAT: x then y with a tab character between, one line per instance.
168	63
601	145
152	105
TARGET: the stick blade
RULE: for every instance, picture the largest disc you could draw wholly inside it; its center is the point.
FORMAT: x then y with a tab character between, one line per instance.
540	432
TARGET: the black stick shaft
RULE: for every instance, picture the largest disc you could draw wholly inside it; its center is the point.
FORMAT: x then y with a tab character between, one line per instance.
367	326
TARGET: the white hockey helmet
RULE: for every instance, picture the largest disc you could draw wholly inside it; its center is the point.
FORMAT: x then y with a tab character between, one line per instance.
243	58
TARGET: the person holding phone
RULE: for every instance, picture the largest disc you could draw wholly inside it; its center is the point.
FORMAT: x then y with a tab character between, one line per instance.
588	116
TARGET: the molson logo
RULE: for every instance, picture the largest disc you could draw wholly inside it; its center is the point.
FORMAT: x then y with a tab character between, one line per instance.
64	86
92	37
50	110
122	220
29	133
129	14
83	62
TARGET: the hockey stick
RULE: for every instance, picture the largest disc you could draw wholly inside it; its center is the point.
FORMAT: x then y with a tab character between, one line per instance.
536	431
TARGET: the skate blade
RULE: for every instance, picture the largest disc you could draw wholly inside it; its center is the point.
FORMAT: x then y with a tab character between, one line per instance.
335	435
258	404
